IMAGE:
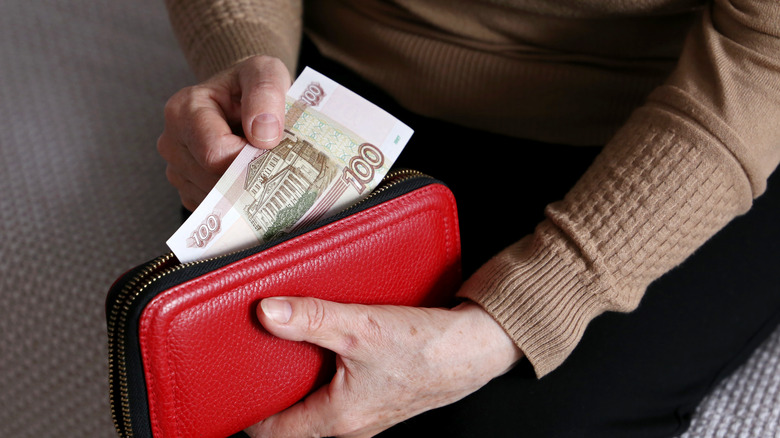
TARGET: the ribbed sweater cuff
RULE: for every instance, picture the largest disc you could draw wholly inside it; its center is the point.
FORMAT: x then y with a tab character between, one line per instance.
658	191
541	293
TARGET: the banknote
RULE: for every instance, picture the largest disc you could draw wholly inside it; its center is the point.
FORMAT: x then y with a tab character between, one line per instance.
336	148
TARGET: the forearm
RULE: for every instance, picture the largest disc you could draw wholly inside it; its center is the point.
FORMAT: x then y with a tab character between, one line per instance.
652	197
215	35
681	168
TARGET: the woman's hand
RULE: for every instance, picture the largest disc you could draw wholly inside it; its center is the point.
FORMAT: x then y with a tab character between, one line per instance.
208	124
393	362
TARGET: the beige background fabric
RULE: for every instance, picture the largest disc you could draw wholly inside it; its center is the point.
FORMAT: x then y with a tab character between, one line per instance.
83	197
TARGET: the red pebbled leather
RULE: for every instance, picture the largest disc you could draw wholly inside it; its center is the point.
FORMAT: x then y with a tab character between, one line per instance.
212	370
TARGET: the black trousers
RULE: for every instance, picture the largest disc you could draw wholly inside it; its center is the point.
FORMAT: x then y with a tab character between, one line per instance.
633	375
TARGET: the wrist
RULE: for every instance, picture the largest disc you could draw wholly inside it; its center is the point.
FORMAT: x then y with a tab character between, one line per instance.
489	336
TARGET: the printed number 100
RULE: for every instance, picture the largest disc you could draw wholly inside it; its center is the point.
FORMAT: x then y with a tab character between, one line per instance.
206	230
361	168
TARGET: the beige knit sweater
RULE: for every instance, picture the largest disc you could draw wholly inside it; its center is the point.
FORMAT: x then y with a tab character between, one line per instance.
684	93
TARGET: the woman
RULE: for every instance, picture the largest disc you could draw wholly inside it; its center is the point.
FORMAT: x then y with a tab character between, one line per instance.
507	98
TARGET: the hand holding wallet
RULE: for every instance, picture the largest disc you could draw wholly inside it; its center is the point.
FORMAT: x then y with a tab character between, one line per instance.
187	355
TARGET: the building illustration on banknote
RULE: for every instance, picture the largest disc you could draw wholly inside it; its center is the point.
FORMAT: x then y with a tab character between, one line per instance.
284	183
335	149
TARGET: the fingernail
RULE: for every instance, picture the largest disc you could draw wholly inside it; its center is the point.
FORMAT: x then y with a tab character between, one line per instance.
276	309
265	127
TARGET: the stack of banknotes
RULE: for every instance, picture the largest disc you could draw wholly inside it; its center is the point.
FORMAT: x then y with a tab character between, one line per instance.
336	148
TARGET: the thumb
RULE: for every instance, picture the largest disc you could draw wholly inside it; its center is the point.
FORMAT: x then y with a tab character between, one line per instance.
264	82
325	323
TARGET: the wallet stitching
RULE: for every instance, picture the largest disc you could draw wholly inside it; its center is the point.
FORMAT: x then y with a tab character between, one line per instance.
175	389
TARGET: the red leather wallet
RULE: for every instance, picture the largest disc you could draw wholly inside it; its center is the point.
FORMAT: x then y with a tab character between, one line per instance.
187	355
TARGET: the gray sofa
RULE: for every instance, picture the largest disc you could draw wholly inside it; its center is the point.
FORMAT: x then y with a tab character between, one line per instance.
84	197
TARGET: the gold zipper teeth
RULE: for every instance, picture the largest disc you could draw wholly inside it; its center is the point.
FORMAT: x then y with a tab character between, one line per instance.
117	320
132	290
116	364
391	179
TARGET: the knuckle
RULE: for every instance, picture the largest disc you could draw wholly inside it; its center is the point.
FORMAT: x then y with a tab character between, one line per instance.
182	102
266	75
212	159
171	175
173	105
350	344
188	203
162	146
204	146
175	178
265	62
369	327
265	88
316	315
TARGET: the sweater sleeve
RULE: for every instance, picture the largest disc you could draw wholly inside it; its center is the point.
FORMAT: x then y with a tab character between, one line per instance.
215	34
684	165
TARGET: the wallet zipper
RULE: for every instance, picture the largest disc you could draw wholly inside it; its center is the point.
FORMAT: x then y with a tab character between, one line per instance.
150	273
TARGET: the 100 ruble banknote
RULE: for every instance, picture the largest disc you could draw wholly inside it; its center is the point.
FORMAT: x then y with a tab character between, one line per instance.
336	149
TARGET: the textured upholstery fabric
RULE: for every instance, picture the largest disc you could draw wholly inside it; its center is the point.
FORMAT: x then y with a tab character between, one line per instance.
84	197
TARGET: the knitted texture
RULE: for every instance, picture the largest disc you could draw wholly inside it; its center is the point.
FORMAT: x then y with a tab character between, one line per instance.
649	200
676	173
208	31
501	68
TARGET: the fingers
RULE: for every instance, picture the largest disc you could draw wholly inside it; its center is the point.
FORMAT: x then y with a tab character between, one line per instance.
184	173
264	81
393	362
336	327
197	130
330	325
316	416
190	194
306	418
203	123
181	160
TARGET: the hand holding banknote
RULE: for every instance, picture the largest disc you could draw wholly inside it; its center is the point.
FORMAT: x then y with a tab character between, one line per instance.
334	150
200	140
323	123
